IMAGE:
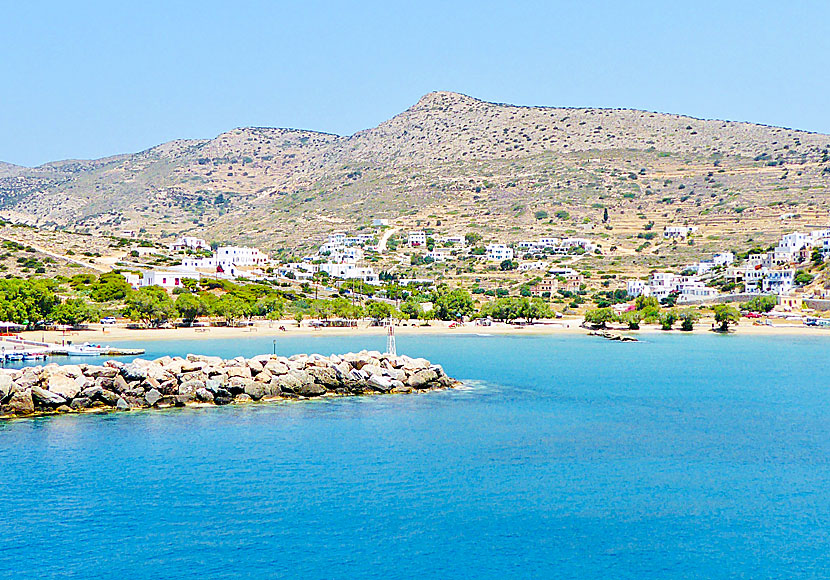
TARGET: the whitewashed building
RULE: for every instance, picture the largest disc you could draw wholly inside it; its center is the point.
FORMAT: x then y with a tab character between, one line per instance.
167	279
417	239
670	232
498	252
189	243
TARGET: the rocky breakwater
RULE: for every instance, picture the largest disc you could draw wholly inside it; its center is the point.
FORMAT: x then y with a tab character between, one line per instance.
206	380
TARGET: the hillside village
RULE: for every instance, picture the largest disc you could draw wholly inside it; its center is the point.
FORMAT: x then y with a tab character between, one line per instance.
573	209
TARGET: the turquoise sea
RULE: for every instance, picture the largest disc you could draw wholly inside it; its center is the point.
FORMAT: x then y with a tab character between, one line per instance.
563	457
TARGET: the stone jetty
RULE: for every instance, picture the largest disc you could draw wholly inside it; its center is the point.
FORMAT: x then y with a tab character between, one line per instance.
206	380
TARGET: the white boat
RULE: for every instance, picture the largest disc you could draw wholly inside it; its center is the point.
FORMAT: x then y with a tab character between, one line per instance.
83	350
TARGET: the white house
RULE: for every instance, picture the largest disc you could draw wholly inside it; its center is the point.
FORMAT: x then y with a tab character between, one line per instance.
723	259
528	266
240	256
693	291
417	239
498	252
132	279
189	243
350	271
678	231
636	288
440	254
380	222
778	282
167	278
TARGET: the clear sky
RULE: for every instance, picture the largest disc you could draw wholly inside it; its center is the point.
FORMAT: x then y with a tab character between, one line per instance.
88	79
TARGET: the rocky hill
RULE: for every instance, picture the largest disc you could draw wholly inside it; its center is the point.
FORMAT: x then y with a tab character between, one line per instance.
505	171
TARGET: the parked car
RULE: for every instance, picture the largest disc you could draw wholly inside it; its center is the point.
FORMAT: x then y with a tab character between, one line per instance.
752	315
108	320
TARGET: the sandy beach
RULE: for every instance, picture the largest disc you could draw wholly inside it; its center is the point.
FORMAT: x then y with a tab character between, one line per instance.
104	334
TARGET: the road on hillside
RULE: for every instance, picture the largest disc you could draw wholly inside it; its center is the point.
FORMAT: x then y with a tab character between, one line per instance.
385	238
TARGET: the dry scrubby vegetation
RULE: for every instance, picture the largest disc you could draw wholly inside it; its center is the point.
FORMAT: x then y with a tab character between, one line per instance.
455	163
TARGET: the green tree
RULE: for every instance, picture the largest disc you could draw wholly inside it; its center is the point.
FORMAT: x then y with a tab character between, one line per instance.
110	286
599	317
688	318
667	319
150	305
74	311
760	304
454	303
190	306
508	265
379	310
631	318
726	315
230	308
534	309
644	302
803	278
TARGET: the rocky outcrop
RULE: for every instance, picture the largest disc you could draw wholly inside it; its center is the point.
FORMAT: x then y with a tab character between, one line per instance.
204	380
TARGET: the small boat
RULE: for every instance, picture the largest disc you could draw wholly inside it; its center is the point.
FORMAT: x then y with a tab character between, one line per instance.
83	350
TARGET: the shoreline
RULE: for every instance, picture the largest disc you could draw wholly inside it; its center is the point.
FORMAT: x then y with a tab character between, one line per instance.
569	326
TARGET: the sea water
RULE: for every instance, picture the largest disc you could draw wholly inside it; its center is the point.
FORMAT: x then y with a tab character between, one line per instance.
561	457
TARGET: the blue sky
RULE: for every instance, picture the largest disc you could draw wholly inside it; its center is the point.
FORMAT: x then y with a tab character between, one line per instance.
90	79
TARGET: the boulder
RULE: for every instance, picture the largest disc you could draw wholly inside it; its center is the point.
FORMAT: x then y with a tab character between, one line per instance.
380	383
182	400
237	385
204	395
119	384
275	367
28	379
222	397
108	397
243	398
263	377
101	372
242	372
134	371
73	371
272	389
421	379
310	390
6	385
255	366
43	397
21	403
152	397
212	385
255	390
63	409
80	403
91	392
63	385
190	387
122	405
326	376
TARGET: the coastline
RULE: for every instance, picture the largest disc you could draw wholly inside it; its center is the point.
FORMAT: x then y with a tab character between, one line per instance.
566	326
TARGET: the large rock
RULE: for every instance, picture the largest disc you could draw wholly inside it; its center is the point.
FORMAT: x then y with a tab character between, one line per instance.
240	371
44	397
204	395
6	385
108	397
255	390
310	390
152	397
21	403
80	403
275	367
326	376
190	387
422	378
134	371
63	385
380	383
120	385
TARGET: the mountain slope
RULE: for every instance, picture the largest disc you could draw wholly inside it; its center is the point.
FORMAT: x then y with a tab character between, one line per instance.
450	158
